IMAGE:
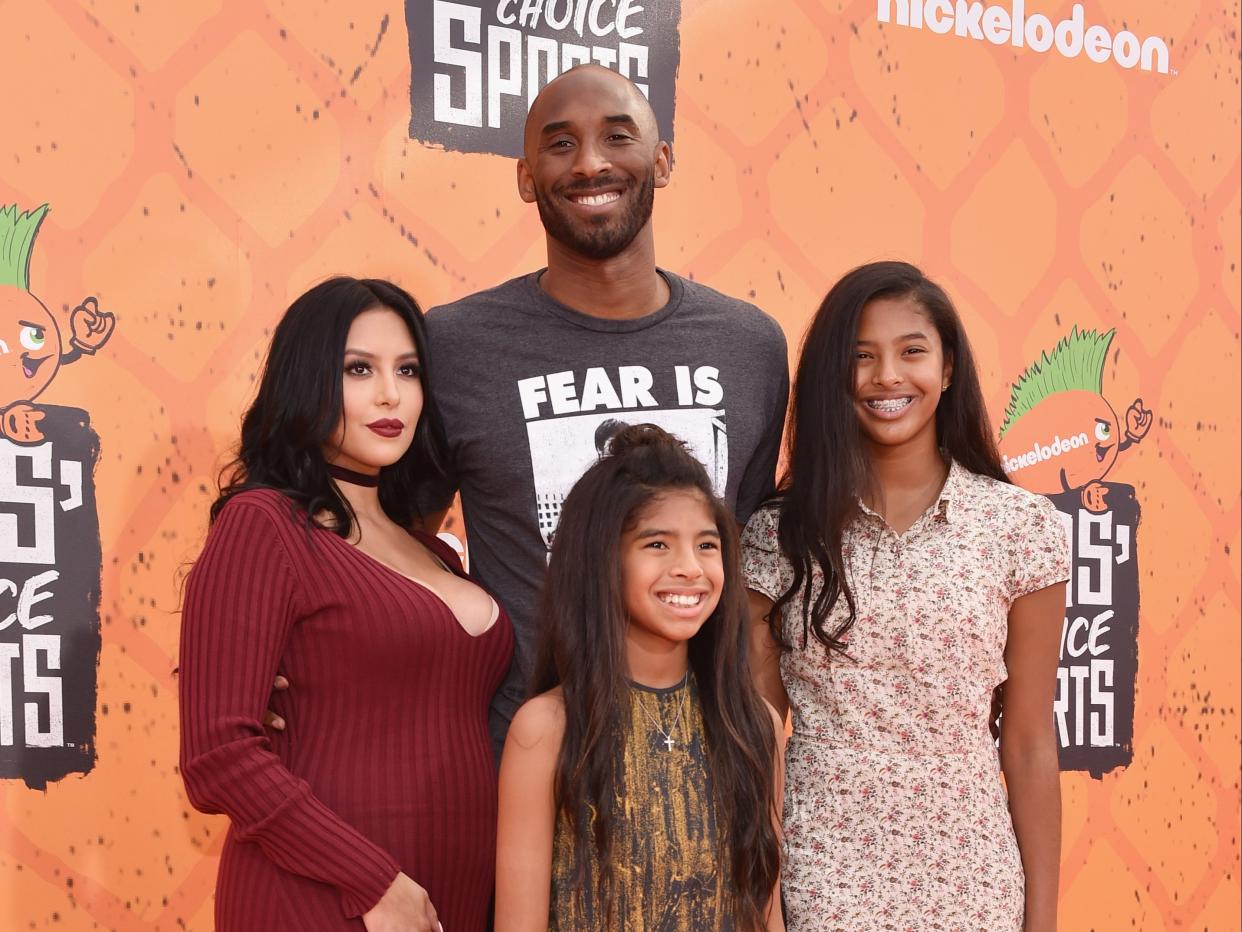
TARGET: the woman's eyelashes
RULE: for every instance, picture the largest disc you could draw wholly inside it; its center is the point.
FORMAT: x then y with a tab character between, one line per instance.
360	367
908	351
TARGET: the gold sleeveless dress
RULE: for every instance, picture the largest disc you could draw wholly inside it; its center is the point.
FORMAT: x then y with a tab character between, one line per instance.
664	828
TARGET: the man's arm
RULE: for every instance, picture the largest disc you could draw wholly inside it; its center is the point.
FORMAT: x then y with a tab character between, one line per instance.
759	477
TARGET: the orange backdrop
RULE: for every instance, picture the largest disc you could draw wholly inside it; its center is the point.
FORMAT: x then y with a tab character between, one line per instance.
207	161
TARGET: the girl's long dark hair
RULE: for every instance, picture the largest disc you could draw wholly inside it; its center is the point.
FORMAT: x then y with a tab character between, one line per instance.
582	623
828	468
299	405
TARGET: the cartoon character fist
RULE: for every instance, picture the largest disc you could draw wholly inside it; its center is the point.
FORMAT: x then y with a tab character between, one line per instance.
1138	421
1093	494
20	423
90	327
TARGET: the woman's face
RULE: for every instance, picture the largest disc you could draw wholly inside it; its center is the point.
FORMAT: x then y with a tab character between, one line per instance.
900	373
381	391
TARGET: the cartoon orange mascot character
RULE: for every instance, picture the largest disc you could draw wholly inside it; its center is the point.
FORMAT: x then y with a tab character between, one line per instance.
1059	433
32	346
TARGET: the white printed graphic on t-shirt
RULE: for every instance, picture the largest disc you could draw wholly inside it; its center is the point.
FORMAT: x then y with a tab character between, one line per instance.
569	425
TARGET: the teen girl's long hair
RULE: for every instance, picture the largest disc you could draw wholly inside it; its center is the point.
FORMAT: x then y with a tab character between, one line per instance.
582	624
299	405
828	468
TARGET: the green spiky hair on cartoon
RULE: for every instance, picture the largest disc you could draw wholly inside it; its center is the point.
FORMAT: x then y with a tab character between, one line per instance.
17	236
1076	363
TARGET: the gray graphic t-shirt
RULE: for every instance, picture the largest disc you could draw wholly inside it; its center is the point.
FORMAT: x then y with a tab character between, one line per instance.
531	390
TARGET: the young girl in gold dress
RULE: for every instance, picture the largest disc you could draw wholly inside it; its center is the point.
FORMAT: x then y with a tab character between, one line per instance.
639	788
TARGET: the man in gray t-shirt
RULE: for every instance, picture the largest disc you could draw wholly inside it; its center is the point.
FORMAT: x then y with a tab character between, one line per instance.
532	377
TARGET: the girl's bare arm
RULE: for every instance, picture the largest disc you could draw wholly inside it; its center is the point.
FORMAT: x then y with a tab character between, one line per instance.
765	655
527	816
1028	749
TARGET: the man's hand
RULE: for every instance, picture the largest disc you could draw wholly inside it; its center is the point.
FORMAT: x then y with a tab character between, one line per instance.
994	714
270	718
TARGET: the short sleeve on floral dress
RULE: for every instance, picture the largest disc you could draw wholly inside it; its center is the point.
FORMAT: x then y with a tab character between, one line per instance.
895	815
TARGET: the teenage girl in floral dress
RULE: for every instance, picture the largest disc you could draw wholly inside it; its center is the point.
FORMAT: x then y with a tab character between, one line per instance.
897	580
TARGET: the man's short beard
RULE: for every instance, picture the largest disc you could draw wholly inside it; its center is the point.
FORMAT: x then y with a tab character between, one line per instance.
602	241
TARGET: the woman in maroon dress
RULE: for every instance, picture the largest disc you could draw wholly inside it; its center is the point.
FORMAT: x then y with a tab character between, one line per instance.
376	806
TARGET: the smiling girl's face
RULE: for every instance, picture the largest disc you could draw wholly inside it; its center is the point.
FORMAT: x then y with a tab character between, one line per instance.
381	393
672	571
900	373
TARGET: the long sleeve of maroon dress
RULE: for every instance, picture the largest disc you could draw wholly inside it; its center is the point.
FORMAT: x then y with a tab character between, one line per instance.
385	764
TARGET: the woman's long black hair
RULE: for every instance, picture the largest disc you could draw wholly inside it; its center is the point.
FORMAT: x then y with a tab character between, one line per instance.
582	624
299	405
828	467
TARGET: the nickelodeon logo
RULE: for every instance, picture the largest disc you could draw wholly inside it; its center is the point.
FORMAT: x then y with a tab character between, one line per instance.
1041	452
1000	25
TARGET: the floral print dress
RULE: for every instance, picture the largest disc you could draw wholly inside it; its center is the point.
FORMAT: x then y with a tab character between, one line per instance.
895	816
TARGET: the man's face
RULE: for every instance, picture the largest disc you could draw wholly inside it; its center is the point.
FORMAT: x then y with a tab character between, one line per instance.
593	162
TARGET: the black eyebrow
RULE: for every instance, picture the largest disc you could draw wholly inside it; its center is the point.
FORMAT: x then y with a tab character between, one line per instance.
621	118
660	532
916	335
26	323
365	355
556	127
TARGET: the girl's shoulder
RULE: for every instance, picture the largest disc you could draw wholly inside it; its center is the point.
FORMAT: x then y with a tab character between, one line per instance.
761	530
1005	505
539	722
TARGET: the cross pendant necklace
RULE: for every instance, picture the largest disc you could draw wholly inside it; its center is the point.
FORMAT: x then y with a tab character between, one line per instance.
668	742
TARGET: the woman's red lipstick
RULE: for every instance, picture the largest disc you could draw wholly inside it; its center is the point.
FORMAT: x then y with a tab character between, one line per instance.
387	427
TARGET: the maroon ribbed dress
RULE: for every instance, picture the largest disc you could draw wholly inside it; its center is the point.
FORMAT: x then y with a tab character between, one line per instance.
386	762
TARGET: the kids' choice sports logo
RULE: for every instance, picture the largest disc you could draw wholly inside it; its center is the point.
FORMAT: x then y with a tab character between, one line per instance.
1061	437
49	528
1012	24
476	65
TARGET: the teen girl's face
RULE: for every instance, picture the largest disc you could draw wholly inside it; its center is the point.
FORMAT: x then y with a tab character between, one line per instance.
900	372
381	391
672	571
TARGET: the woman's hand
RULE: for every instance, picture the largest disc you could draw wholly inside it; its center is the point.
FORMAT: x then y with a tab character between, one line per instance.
405	907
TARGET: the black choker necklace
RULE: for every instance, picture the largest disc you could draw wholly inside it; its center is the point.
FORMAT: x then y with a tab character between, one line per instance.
341	474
